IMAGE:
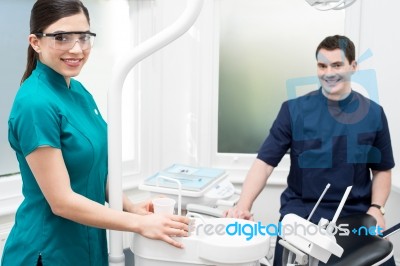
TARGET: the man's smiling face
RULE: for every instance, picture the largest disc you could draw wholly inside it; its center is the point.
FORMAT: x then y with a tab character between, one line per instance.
334	73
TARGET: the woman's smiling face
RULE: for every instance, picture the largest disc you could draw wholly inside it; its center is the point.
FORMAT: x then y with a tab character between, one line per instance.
334	73
67	63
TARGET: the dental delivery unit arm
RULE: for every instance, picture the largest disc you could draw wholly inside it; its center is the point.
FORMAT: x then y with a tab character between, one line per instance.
312	241
122	68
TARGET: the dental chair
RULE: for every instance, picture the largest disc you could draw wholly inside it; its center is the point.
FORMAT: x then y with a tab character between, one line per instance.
359	244
360	250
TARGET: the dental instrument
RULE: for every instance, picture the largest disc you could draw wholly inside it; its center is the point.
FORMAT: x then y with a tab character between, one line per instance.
321	244
350	247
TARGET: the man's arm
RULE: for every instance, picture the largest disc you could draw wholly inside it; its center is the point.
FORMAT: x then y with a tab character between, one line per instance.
381	185
252	187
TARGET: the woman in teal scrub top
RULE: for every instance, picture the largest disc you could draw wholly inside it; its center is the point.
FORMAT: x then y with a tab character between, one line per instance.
60	140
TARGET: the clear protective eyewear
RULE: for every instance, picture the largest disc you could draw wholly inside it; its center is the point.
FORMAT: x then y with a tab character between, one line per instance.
65	41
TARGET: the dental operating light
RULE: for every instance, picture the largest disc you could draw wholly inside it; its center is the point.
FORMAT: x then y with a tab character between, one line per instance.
324	5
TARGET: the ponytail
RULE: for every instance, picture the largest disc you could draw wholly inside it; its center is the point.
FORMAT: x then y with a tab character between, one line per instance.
30	64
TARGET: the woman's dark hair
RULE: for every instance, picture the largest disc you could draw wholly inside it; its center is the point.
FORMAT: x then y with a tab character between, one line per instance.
43	14
343	43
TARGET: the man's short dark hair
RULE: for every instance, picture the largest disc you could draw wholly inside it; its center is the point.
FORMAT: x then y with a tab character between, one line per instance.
343	43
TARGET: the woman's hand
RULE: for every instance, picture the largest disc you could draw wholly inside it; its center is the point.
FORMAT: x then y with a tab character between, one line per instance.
164	227
142	208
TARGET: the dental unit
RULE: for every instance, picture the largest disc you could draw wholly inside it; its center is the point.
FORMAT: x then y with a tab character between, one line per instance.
213	241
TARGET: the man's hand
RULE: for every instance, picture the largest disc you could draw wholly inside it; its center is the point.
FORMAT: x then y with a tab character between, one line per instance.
237	212
376	213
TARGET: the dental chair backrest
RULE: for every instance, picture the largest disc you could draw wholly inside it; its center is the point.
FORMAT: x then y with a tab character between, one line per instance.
358	245
361	247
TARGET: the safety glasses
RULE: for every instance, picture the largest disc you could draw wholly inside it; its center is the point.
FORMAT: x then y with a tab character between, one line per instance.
65	41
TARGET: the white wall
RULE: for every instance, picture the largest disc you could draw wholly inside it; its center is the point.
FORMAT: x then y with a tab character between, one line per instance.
13	40
378	32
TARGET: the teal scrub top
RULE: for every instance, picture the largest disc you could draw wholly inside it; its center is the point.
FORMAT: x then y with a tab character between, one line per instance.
48	113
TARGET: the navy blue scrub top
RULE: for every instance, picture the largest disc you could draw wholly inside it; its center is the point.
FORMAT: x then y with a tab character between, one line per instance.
336	142
48	113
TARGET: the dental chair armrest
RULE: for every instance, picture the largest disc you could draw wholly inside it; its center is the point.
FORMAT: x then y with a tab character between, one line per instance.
359	248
